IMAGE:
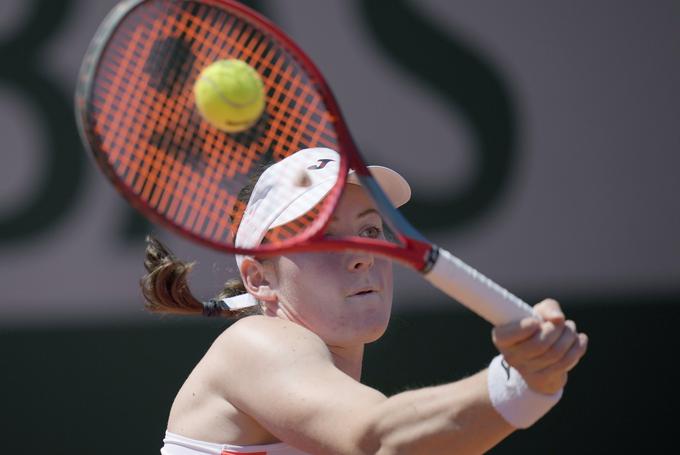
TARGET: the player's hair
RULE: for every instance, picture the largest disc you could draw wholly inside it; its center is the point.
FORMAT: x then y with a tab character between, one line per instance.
165	288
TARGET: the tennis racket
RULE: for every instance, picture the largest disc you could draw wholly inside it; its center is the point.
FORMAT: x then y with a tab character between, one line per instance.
137	116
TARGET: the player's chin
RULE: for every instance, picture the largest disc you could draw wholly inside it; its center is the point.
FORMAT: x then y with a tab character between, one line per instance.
373	319
376	332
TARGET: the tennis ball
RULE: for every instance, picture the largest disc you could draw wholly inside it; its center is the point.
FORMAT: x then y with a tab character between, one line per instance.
230	95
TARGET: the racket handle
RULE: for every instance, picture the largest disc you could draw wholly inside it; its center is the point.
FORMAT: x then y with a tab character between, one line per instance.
475	291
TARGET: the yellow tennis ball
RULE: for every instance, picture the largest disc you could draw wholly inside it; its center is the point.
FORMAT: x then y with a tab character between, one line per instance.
230	95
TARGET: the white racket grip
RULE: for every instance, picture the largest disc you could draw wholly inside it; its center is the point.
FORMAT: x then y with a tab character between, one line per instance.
475	291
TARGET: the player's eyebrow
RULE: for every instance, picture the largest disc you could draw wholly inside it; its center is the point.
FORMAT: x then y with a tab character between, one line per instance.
360	215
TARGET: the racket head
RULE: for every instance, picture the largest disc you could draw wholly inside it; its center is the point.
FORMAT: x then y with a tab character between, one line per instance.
136	114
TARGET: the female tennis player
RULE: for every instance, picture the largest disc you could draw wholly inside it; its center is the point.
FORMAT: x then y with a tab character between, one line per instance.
285	378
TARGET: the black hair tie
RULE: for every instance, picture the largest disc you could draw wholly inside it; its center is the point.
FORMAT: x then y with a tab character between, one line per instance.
214	307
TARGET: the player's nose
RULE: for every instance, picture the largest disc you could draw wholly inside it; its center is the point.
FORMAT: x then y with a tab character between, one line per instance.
360	261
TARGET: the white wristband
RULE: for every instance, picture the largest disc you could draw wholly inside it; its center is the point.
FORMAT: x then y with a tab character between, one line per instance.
510	395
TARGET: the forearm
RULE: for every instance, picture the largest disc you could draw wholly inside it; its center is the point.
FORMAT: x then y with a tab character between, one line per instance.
452	418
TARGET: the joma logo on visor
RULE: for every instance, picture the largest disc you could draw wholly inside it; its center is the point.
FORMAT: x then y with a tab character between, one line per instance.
322	164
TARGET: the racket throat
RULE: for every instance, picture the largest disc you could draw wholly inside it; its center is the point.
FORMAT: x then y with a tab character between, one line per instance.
431	258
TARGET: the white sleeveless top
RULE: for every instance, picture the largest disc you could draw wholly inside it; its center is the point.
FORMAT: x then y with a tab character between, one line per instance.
175	444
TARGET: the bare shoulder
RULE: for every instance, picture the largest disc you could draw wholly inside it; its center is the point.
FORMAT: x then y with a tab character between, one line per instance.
267	343
273	332
272	325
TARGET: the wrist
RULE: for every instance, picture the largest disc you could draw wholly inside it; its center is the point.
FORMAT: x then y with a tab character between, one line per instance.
512	397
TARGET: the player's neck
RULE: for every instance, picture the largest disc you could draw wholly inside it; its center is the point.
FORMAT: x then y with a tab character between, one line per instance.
349	360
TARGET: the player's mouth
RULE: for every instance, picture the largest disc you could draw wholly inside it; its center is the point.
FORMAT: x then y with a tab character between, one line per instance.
364	291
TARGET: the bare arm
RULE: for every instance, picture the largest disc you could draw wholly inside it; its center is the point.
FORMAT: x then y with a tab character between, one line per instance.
451	418
283	376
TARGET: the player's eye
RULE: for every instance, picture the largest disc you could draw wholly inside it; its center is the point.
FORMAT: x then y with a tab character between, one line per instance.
372	232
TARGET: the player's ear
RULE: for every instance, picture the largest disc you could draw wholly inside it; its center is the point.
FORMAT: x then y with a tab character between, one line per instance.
257	279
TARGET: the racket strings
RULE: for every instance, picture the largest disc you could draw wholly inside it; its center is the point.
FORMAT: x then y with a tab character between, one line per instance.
142	121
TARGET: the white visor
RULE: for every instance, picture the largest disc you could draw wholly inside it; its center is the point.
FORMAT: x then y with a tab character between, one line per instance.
293	186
